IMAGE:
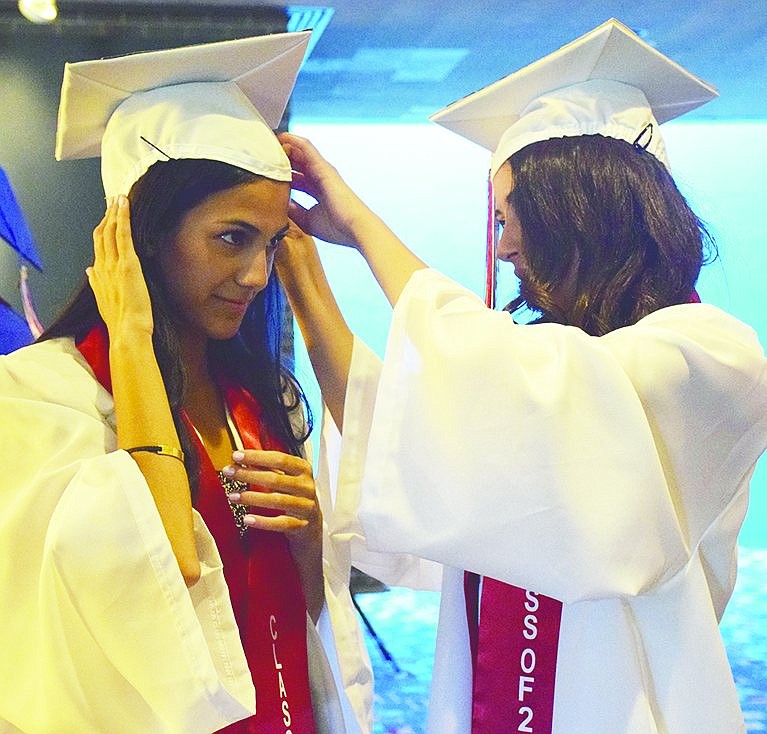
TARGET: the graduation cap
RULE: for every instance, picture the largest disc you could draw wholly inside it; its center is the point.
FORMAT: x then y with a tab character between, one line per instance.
607	82
218	101
14	330
13	226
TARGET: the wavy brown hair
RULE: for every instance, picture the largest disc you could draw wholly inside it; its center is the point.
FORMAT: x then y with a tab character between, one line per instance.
611	212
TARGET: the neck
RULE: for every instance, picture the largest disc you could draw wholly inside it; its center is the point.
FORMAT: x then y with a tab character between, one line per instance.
204	404
194	355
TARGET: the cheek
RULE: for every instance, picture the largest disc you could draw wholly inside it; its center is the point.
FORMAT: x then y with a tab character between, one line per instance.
183	281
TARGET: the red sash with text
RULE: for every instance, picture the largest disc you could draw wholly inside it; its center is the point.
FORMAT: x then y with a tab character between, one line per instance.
514	636
264	585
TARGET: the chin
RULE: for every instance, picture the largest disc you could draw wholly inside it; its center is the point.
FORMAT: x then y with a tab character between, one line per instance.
224	331
225	335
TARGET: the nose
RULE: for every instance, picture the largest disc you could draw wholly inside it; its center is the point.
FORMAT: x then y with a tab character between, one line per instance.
508	250
255	269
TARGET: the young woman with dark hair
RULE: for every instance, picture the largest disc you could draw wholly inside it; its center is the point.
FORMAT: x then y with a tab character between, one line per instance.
159	201
165	543
582	479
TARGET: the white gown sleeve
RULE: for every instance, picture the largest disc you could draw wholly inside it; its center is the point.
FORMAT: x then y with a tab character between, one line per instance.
576	466
344	461
98	630
339	667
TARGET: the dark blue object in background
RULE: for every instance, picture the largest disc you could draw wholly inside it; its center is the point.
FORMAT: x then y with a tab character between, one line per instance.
13	227
14	330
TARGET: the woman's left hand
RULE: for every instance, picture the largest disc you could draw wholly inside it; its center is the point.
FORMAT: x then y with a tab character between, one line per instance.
286	485
290	490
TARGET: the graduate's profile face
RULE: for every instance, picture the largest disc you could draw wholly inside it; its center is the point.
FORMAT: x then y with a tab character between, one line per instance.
220	256
510	243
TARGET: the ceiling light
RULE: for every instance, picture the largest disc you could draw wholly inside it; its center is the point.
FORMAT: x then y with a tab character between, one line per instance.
38	11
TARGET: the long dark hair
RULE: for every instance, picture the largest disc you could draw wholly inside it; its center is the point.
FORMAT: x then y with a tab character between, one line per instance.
159	200
613	213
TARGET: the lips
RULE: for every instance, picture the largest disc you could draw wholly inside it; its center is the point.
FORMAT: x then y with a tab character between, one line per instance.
236	300
238	306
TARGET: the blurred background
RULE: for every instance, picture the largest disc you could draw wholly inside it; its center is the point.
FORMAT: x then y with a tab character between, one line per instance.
374	73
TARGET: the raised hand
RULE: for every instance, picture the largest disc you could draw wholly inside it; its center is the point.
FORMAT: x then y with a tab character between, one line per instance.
116	277
141	407
326	334
339	211
341	216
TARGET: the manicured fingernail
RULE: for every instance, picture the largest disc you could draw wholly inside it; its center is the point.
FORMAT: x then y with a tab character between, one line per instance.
238	456
248	520
122	200
228	471
234	497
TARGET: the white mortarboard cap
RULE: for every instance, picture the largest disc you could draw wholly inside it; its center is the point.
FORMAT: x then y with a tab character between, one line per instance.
218	101
607	82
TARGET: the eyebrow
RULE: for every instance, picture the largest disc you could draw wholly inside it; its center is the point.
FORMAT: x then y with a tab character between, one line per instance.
238	223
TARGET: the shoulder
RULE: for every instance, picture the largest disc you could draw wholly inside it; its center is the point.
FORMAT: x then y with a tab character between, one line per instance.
694	318
51	371
694	328
692	350
46	358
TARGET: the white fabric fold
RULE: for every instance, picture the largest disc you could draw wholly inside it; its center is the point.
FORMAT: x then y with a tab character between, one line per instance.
98	631
611	473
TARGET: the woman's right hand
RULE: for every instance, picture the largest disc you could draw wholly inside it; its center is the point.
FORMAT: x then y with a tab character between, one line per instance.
340	216
339	212
142	413
116	277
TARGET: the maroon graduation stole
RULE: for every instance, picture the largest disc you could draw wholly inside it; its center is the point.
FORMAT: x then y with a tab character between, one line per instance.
514	638
263	581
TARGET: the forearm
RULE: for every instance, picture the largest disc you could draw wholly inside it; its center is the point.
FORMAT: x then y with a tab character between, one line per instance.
144	418
328	339
391	262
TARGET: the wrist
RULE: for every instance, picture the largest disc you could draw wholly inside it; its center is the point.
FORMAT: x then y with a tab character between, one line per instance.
125	339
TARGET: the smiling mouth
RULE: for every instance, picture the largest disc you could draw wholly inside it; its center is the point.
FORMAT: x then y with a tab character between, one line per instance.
234	306
236	301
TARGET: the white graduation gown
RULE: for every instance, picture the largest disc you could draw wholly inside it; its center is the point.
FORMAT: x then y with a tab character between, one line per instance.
611	473
98	632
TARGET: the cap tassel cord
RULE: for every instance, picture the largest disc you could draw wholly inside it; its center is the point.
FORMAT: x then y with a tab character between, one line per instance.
161	152
491	252
27	303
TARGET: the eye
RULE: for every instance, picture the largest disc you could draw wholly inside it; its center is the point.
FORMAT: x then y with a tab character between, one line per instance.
234	237
279	237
